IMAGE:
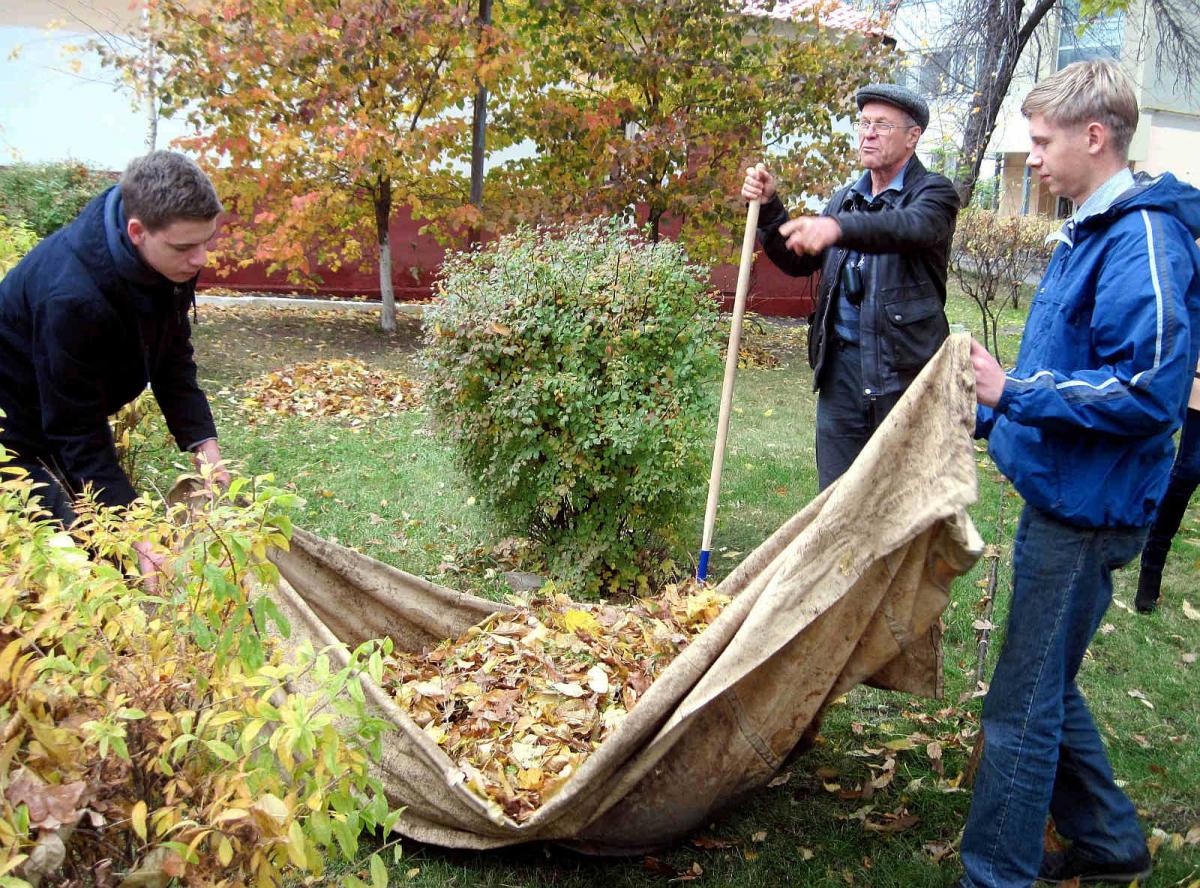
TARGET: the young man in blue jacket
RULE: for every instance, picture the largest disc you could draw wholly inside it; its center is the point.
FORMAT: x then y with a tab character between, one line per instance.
1083	427
93	314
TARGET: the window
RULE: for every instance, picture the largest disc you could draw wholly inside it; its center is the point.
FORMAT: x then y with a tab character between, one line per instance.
944	72
1079	39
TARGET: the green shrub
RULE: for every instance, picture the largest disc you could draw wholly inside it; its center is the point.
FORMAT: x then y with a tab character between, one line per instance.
167	735
45	197
15	241
572	371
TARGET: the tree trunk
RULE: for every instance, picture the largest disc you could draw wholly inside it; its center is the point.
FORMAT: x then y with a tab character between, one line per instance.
383	216
1005	38
151	85
479	131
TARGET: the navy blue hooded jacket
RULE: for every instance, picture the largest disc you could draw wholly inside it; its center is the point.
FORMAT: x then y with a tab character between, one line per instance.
1084	426
85	324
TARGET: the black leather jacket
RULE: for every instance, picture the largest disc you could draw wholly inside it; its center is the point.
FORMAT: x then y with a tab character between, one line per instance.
905	241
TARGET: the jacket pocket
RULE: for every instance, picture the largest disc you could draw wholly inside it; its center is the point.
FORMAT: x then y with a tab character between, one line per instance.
916	328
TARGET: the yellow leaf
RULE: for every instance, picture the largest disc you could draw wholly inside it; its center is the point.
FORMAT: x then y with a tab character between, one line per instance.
295	845
272	806
6	658
138	816
224	851
574	620
231	814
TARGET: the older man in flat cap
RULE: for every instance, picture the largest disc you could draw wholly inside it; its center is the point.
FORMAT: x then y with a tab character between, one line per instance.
881	246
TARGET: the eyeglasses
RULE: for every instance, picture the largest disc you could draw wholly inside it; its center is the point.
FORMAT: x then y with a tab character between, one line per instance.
880	126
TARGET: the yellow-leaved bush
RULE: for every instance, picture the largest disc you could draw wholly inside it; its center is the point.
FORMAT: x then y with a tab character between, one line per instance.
173	734
15	241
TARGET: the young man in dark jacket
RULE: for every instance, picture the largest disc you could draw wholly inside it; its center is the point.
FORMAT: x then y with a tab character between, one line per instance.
881	245
1083	427
93	314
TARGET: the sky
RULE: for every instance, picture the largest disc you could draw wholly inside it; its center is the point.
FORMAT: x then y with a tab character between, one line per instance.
48	112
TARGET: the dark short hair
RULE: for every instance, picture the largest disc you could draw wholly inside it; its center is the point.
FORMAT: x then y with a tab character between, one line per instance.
165	186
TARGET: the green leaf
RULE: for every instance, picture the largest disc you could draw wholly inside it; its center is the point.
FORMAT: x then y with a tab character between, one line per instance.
221	750
379	876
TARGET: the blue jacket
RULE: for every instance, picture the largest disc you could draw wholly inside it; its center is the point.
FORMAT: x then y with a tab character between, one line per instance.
1084	426
85	324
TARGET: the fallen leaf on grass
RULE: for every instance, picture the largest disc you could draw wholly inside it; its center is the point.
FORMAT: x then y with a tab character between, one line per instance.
346	389
1108	629
656	866
1141	698
711	843
1188	658
806	854
892	823
760	836
691	874
781	779
1122	605
1190	612
938	851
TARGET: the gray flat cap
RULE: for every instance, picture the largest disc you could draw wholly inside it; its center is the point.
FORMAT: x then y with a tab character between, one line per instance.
904	99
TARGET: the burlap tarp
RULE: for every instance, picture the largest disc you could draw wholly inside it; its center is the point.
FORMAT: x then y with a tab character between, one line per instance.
848	590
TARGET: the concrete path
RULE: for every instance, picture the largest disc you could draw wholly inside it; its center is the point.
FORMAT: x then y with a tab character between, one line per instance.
267	301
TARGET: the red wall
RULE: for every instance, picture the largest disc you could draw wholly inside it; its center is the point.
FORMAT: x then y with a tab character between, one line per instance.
771	291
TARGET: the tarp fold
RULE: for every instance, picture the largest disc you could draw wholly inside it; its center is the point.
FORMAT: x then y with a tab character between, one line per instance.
849	590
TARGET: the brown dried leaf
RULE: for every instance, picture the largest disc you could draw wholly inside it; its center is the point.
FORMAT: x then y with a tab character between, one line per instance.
711	843
49	806
522	698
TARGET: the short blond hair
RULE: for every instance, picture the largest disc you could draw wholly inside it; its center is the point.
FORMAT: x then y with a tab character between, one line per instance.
1083	92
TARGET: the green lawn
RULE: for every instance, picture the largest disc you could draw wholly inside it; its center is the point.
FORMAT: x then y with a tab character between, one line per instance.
391	490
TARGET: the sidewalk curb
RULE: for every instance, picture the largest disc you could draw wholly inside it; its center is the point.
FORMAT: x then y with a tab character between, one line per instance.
405	308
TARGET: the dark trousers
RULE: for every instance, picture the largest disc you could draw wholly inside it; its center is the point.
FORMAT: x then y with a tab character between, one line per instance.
847	415
53	492
1185	477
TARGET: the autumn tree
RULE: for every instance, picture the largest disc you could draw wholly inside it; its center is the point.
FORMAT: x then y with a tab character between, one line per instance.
320	117
997	36
654	106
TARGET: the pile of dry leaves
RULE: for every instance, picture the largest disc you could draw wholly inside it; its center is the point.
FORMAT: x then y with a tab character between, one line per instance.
522	698
346	389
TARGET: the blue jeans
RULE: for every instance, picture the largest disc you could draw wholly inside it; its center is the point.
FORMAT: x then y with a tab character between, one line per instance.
1042	753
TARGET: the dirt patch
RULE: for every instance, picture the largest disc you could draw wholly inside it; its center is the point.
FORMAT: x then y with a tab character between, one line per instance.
236	343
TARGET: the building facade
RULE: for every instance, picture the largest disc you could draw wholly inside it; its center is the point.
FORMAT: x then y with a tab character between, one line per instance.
1168	133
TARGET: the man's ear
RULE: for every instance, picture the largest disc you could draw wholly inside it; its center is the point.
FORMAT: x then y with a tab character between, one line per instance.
136	230
1097	137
